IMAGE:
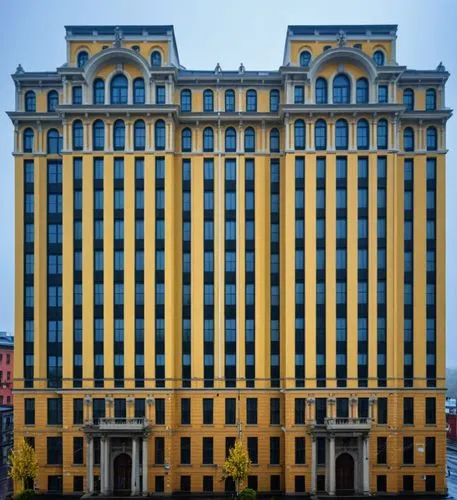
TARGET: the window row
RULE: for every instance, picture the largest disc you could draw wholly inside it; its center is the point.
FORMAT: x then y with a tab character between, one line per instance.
341	94
378	56
229	101
156	57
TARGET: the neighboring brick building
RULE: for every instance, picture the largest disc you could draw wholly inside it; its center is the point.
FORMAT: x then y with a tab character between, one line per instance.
6	368
6	445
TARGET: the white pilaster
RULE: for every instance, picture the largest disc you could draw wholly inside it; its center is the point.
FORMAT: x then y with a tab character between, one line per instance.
134	466
145	466
90	466
102	466
331	466
366	466
313	465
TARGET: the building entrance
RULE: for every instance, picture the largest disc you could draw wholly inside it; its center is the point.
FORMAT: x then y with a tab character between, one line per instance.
344	468
122	474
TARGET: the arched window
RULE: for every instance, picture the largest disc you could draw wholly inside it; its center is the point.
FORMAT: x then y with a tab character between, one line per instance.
78	135
138	91
274	100
321	91
299	134
362	91
208	139
249	140
99	91
186	100
159	135
208	101
251	100
53	142
320	135
274	140
408	99
119	89
156	58
432	139
229	101
305	58
186	140
378	58
408	139
382	134
98	135
230	140
119	135
430	100
30	102
53	100
83	56
341	134
363	134
27	140
341	90
139	135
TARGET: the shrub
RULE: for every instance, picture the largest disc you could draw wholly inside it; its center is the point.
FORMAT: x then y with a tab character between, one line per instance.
248	494
25	495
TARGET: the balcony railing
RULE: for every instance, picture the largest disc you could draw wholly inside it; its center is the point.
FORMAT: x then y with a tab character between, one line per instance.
120	424
348	423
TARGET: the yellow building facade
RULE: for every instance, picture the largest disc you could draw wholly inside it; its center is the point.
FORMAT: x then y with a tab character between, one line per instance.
210	255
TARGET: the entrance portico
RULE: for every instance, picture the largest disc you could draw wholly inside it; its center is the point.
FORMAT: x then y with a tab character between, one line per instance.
347	455
123	455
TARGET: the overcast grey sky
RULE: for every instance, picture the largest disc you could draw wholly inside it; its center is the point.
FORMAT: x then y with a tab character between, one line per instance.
228	32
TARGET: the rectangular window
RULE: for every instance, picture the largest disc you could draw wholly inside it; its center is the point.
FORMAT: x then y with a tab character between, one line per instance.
78	450
230	411
185	411
383	94
408	411
300	408
54	448
208	450
160	411
159	450
430	450
408	450
54	411
29	411
274	450
253	444
299	96
275	411
208	483
185	450
208	411
300	450
251	410
160	94
78	411
382	450
382	411
430	411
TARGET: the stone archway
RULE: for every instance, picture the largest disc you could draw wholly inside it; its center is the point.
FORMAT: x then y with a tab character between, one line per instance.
122	477
344	472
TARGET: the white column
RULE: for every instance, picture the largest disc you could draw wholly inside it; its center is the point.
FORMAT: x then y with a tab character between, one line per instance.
90	466
331	466
145	466
107	466
138	454
366	466
134	466
313	465
102	466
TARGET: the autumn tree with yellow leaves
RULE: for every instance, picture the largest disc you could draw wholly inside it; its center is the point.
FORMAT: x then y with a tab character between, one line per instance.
237	465
23	465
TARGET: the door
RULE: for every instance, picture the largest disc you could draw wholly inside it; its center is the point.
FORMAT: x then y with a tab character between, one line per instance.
344	469
123	473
